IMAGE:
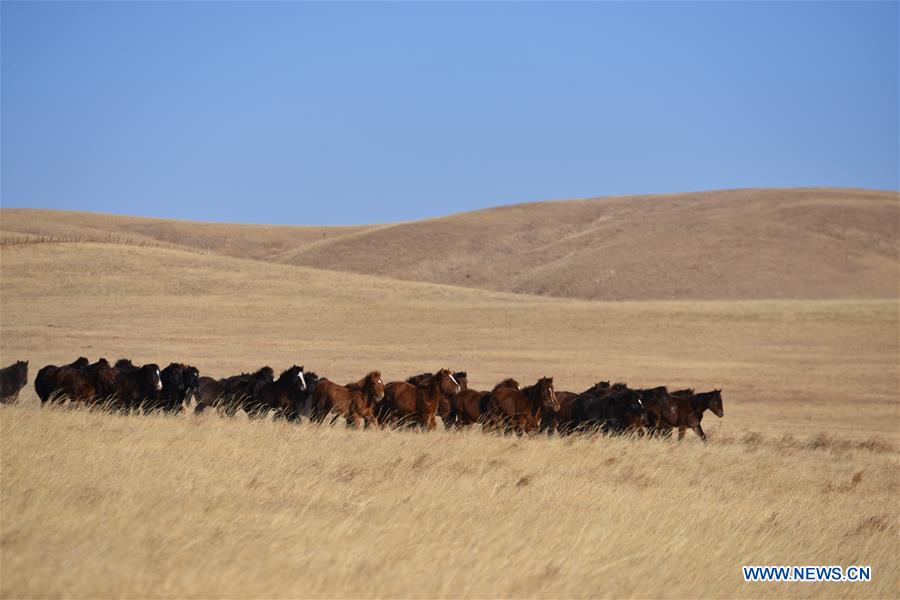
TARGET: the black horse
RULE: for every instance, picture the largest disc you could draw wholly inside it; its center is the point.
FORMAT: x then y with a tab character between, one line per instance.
282	395
611	409
230	394
179	383
12	379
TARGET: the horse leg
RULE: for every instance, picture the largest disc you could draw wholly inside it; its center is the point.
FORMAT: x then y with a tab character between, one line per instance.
699	431
521	426
681	430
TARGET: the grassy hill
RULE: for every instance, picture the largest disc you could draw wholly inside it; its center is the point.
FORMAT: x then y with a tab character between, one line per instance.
801	470
740	244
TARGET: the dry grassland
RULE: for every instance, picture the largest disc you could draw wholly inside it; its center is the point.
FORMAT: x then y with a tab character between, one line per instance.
802	469
147	507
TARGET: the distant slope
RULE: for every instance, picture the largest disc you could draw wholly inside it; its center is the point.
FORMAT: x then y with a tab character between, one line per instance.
261	242
740	244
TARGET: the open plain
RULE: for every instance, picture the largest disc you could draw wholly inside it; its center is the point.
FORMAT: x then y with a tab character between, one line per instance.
794	316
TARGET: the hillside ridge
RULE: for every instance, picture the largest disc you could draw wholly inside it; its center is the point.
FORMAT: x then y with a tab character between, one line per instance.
811	243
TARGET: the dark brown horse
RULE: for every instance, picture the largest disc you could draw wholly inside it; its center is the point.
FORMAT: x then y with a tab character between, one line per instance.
356	402
45	383
690	408
520	409
12	379
94	382
561	420
137	386
281	395
660	409
611	409
230	394
406	403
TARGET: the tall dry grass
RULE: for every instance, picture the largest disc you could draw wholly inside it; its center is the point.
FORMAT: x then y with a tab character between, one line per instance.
96	505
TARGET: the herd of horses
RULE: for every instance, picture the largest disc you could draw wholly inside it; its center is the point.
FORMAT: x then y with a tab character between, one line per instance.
417	402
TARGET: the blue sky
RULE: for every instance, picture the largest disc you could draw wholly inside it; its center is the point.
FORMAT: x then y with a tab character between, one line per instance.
307	113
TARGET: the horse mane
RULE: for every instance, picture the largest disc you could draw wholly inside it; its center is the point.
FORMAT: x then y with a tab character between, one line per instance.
420	378
284	373
79	363
509	382
532	392
360	386
259	372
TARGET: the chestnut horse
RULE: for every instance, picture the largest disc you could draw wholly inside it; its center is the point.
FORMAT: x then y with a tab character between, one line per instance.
520	409
406	403
470	406
356	402
445	411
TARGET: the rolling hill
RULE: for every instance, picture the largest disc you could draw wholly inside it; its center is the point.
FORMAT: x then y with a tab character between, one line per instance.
739	244
802	467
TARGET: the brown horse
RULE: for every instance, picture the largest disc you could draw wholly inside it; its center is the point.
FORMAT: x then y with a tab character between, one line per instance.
406	403
660	409
690	408
356	402
12	379
470	406
90	384
445	411
520	409
45	383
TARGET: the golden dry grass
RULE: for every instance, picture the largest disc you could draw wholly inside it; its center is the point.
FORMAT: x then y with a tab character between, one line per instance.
151	507
802	469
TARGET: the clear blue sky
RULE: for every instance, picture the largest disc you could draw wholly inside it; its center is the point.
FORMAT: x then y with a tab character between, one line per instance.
309	113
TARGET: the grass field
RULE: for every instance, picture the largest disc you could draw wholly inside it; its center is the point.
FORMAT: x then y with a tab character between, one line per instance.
801	470
101	506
